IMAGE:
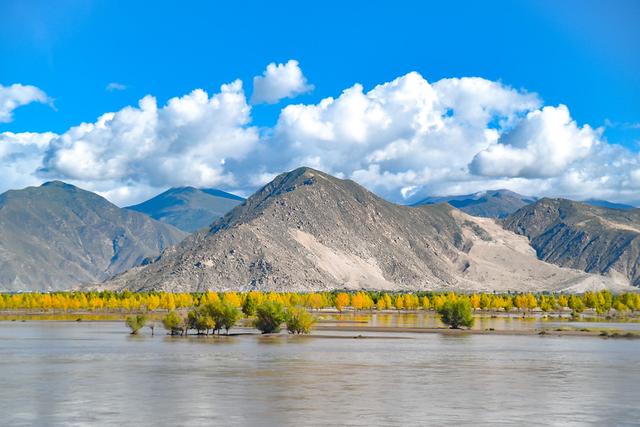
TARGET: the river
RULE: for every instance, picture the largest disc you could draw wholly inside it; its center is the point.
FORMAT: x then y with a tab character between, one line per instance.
94	373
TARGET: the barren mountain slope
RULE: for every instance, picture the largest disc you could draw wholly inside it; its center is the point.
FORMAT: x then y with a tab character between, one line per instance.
307	230
55	236
188	208
576	235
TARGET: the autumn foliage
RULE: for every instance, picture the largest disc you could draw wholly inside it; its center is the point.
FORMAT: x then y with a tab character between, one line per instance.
247	302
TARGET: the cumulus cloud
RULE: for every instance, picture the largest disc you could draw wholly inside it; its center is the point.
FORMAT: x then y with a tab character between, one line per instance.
408	138
20	156
542	145
401	135
115	86
403	139
186	142
17	95
279	81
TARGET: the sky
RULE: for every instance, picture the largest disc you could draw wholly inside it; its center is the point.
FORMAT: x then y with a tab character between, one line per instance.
410	99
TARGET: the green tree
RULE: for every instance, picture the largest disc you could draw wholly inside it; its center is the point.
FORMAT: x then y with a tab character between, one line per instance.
249	306
576	304
224	314
269	317
547	303
200	319
135	323
174	323
299	321
620	307
507	303
457	313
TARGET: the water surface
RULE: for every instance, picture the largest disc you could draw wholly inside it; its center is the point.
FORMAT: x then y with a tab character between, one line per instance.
94	373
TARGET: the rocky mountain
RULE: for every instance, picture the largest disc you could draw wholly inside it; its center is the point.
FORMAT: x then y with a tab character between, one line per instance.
581	236
307	230
55	236
489	204
188	208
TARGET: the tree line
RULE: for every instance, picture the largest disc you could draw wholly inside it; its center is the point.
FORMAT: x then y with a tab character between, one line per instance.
217	315
601	302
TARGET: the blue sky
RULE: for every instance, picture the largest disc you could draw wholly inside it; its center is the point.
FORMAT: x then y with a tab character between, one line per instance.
583	54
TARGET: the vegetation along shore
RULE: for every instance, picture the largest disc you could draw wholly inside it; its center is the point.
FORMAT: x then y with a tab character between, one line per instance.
210	312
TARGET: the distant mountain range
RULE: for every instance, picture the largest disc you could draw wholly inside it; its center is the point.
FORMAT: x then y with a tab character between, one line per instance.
307	230
606	204
501	203
57	235
490	204
189	208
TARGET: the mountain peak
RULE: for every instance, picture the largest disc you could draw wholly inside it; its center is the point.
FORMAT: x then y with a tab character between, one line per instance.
188	208
489	203
289	181
300	174
58	184
307	230
59	235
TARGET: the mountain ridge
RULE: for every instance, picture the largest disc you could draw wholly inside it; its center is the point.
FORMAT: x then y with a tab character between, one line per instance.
307	230
188	208
489	203
577	235
57	235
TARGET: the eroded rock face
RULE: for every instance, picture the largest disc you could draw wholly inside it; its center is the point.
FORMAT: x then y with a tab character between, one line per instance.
56	236
576	235
307	230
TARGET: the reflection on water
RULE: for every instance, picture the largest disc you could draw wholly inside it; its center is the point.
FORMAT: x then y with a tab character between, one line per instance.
429	319
68	373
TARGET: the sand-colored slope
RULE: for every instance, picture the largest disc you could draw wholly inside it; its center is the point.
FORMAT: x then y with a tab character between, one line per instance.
502	260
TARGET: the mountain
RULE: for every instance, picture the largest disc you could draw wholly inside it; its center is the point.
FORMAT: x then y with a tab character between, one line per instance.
606	204
188	208
307	230
581	236
55	236
489	204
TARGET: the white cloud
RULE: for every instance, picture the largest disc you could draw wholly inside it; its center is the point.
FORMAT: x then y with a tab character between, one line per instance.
20	157
16	95
542	145
408	138
478	100
401	135
186	142
115	86
279	81
403	139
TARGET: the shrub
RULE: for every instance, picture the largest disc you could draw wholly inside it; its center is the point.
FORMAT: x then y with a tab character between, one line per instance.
224	314
299	321
174	323
135	323
456	313
200	319
269	317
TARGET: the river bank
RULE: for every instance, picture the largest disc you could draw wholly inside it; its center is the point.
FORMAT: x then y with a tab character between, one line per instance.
394	322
